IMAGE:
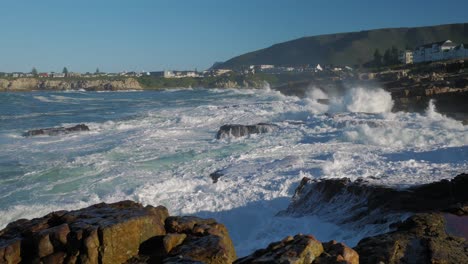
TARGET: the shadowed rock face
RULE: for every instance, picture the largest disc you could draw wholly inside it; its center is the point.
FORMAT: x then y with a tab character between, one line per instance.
189	239
419	239
54	131
244	130
302	249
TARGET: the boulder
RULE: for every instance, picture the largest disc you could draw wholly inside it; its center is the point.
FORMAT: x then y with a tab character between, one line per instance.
189	239
419	239
335	252
102	233
244	130
302	249
207	241
54	131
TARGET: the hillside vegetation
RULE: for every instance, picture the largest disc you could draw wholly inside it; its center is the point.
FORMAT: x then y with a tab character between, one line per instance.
353	49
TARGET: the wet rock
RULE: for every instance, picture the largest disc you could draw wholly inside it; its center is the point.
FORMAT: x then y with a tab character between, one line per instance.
216	175
302	249
171	241
207	241
102	233
419	239
363	197
336	252
244	130
56	130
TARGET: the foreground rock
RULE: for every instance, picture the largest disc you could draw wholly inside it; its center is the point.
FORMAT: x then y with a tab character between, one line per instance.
302	249
54	131
419	239
244	130
115	233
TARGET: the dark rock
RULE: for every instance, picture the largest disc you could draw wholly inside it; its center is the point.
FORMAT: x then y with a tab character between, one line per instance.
206	241
216	175
419	239
54	131
244	130
336	252
102	233
302	249
445	195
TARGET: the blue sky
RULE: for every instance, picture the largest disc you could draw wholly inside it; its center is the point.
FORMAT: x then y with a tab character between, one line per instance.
150	35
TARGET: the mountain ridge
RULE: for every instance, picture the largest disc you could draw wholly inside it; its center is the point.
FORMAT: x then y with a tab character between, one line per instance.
347	48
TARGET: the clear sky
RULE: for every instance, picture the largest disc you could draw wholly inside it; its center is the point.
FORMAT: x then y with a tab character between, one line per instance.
117	35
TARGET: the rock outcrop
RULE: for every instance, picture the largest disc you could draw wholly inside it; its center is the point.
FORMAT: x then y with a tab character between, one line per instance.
54	131
102	233
419	239
123	232
244	130
31	84
362	198
302	249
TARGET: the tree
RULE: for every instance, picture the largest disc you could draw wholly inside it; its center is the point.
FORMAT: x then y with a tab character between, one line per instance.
377	58
394	55
65	70
34	71
387	57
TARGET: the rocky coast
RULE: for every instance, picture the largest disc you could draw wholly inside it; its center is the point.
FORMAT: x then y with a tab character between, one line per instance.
128	232
39	84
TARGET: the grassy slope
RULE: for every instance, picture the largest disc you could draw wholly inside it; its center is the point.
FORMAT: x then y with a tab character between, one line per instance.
348	48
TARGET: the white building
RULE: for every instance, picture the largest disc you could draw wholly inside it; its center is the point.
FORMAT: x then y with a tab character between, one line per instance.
443	50
406	57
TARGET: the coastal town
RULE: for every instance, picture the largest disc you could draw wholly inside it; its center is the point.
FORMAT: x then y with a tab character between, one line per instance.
430	52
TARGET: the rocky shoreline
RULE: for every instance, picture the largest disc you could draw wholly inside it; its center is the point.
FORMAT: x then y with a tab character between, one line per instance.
128	232
38	84
411	86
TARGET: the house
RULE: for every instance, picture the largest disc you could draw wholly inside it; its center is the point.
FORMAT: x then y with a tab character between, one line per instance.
406	57
443	50
57	75
43	75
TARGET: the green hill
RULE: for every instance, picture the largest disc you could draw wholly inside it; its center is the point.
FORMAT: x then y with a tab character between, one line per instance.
355	48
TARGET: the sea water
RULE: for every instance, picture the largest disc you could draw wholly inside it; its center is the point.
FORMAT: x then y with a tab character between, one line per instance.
159	148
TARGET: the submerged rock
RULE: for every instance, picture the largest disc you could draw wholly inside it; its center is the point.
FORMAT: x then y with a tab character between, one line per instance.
302	249
216	175
56	130
419	239
244	130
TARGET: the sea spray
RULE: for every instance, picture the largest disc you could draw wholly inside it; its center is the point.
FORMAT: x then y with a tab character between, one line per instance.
355	100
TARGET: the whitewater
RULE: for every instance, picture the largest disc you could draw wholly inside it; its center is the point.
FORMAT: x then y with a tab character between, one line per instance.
159	148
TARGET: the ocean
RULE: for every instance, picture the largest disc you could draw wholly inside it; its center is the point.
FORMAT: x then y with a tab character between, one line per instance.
159	148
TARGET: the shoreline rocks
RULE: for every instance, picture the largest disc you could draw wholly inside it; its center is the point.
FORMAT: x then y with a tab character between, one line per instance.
127	232
31	84
123	232
445	195
302	249
419	239
54	131
236	130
